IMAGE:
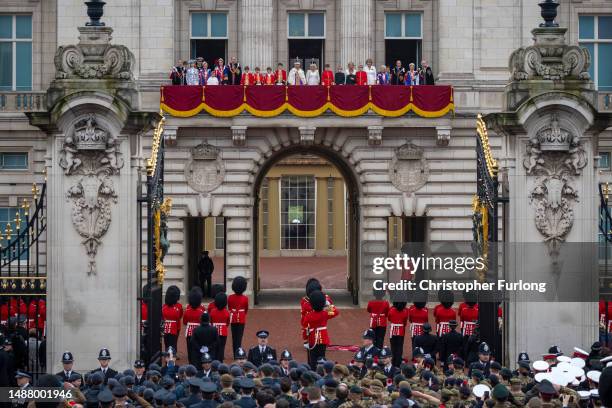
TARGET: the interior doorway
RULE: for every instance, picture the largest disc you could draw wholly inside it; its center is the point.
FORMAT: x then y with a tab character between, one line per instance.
307	51
407	234
204	234
305	223
210	50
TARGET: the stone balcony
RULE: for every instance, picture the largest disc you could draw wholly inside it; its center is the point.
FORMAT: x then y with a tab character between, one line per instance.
23	102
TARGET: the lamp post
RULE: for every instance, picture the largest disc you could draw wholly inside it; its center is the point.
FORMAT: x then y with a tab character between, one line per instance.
95	11
549	13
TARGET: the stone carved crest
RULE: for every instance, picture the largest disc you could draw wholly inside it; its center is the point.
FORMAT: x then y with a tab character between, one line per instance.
94	57
555	157
409	170
550	58
205	171
92	155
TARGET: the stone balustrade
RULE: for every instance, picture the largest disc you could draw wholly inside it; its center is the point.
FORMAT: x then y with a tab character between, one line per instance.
22	102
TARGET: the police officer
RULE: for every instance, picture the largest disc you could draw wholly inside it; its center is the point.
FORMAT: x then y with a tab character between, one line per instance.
387	367
240	357
262	353
369	350
104	358
483	364
139	369
23	382
67	362
284	362
206	366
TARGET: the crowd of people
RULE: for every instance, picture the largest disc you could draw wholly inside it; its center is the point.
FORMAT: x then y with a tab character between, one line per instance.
450	368
199	72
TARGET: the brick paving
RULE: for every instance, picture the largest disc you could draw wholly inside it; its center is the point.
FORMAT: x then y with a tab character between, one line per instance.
289	271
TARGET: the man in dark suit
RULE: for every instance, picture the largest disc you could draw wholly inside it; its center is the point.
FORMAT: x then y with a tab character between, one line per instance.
427	76
104	358
450	343
203	340
262	353
67	362
369	350
427	341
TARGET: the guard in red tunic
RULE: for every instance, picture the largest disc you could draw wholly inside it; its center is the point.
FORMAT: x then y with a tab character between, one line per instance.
192	316
238	306
468	313
172	312
378	309
444	312
418	315
327	77
37	313
216	288
315	322
280	75
398	317
312	285
219	318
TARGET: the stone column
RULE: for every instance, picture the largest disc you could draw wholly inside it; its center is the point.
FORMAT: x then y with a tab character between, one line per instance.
356	31
257	33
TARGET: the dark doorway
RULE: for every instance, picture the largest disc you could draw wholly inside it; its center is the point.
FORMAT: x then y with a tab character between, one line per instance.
414	238
406	51
210	50
307	51
205	233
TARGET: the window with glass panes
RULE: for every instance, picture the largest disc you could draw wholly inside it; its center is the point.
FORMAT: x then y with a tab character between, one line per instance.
208	36
595	34
604	160
13	161
297	202
15	52
403	38
8	217
219	233
306	25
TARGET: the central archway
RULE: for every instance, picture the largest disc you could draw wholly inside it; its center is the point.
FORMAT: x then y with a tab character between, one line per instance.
353	210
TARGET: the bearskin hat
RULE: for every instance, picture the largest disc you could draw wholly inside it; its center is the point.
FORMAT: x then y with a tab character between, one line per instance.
446	298
195	297
239	285
399	305
317	300
470	298
173	293
312	285
378	294
220	300
216	288
420	299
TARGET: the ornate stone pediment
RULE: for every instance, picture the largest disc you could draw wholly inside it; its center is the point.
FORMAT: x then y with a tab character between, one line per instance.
409	170
94	57
205	171
550	58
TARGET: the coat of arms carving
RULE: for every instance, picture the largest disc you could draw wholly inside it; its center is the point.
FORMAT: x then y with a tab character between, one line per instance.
409	170
205	171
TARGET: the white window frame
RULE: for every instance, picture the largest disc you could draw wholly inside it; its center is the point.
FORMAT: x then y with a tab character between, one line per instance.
595	41
609	154
306	25
403	26
208	25
280	213
14	40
